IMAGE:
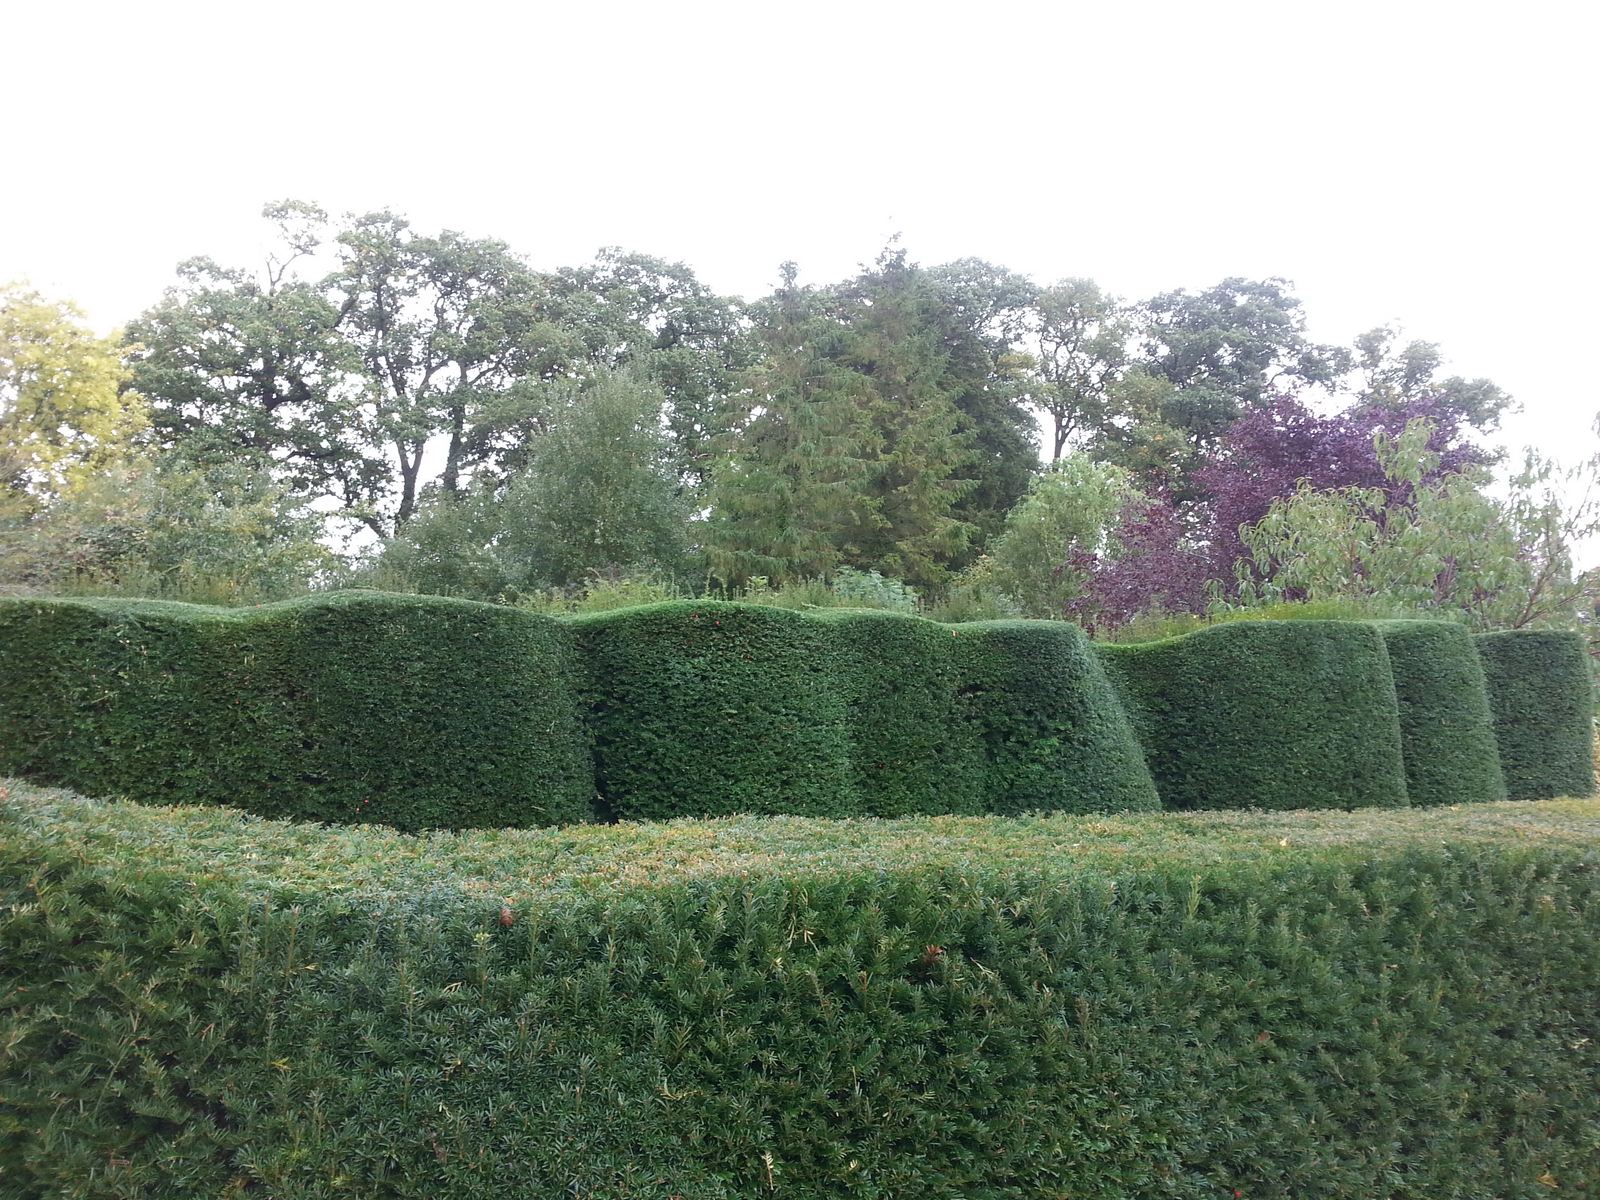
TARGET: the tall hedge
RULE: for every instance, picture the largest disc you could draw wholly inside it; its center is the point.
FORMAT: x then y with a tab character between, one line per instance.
1266	714
414	711
912	750
1446	729
1542	697
1054	737
1383	1003
707	707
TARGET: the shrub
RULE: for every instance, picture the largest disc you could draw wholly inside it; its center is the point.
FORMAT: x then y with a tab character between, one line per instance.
1054	736
708	707
1292	714
1446	731
1384	1003
415	711
1542	699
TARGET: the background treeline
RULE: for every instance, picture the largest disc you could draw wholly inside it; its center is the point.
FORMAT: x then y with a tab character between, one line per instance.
380	406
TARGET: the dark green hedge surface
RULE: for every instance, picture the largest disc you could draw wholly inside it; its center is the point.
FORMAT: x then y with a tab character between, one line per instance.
1384	1003
1055	737
1446	729
1542	699
708	708
1266	714
423	712
414	711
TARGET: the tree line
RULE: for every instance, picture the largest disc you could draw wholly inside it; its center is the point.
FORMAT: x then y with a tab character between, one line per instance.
379	405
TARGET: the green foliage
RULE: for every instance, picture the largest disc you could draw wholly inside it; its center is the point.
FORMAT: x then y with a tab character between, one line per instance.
1072	507
1054	735
599	492
1083	346
1153	627
848	588
342	708
603	593
1447	547
217	533
1446	729
63	413
1266	715
911	750
706	707
1541	695
1194	1006
356	707
849	444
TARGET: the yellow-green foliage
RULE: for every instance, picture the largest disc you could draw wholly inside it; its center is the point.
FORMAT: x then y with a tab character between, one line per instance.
1386	1003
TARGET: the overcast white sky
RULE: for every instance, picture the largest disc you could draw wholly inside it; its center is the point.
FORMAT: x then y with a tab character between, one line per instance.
1431	164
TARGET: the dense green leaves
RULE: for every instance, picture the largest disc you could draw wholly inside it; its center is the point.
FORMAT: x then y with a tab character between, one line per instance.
1290	714
1540	691
1344	1005
1446	729
703	708
417	712
712	708
428	713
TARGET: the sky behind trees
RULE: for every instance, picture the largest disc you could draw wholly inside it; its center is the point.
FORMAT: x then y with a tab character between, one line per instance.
1422	163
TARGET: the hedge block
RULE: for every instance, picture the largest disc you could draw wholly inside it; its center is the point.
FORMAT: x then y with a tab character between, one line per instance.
709	707
1055	739
1266	714
912	750
1542	698
419	712
1446	729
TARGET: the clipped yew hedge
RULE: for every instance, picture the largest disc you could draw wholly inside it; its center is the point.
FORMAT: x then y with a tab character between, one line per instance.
422	712
1266	714
1195	1006
1542	698
1446	729
703	708
410	710
1055	737
708	708
911	748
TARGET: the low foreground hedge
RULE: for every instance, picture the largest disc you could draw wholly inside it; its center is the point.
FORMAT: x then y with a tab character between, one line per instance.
1542	698
1266	714
414	711
1446	729
1387	1003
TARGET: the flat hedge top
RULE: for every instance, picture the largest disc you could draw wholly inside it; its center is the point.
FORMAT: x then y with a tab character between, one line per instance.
354	597
221	849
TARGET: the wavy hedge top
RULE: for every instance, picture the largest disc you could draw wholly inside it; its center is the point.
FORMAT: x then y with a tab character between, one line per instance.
423	712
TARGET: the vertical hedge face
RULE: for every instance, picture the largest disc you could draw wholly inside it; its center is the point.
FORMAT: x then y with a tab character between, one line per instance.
1446	729
416	712
1054	737
1542	699
701	709
911	748
1263	714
